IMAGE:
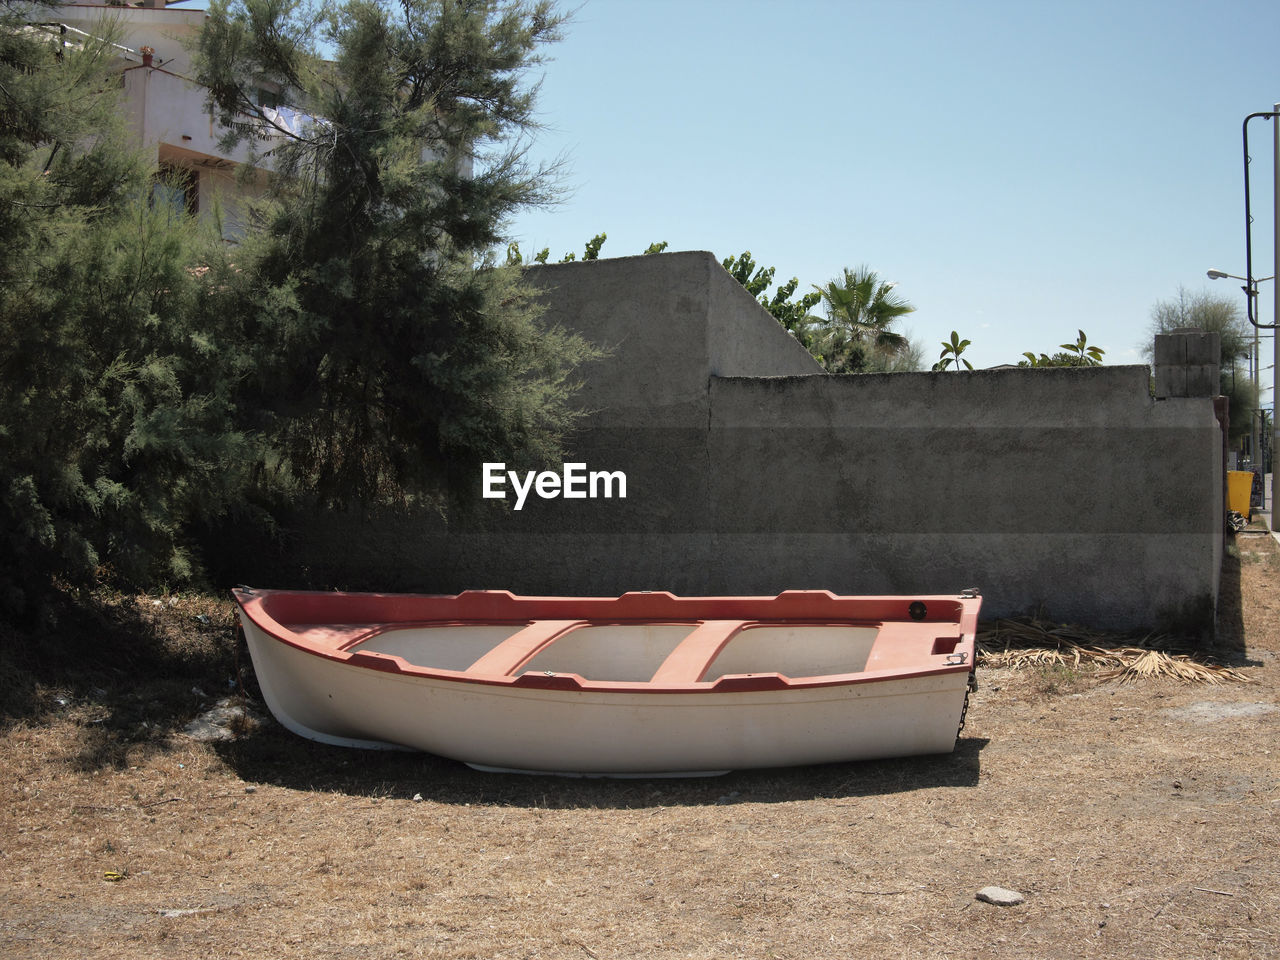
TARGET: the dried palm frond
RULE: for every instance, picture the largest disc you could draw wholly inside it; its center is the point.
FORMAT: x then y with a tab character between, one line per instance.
1024	642
1154	663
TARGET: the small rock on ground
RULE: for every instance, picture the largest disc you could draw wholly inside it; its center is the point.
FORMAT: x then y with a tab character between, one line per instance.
217	723
1000	896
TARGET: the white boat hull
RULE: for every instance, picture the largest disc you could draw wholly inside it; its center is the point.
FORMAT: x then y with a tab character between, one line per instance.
606	729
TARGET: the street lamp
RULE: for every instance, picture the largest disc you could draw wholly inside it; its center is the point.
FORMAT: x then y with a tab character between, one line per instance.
1251	291
1273	115
1219	275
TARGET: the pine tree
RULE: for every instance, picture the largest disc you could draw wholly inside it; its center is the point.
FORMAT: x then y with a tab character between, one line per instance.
114	419
393	352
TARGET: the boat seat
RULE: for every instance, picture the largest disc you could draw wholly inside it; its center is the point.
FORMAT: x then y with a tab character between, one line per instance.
900	646
506	658
694	654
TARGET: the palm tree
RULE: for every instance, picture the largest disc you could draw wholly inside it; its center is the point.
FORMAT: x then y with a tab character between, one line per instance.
860	308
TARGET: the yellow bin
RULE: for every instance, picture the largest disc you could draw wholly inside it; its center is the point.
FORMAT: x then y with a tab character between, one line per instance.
1240	492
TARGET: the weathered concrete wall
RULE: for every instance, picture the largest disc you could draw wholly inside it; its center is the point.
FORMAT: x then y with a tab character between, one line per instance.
750	472
670	321
1063	489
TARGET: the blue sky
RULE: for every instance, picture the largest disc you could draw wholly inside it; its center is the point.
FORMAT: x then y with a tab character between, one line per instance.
1020	169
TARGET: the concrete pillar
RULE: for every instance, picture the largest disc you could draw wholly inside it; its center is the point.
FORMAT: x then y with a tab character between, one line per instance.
1187	364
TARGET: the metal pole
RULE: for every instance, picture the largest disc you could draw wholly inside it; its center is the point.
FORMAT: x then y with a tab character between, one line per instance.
1255	455
1275	371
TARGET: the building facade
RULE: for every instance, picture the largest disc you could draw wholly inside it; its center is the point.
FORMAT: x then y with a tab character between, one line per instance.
166	110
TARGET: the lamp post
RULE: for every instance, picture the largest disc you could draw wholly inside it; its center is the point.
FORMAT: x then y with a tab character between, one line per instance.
1251	290
1274	115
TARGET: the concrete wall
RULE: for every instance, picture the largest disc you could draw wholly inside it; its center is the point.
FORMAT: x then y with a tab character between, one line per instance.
1067	490
749	472
670	321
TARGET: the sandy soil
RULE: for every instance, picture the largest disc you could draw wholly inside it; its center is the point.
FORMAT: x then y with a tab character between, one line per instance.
1138	820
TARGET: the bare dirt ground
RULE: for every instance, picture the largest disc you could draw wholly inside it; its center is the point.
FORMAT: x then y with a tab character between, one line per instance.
1138	820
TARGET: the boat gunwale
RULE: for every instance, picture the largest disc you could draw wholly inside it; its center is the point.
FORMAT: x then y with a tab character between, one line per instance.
252	602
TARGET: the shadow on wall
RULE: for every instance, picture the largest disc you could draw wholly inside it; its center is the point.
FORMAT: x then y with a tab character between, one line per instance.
1229	639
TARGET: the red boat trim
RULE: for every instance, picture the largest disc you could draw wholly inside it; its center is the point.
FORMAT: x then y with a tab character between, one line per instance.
360	617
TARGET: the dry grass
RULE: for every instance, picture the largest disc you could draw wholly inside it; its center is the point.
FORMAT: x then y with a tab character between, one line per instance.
1137	818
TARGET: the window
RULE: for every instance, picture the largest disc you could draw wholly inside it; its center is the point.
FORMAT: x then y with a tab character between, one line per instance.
177	188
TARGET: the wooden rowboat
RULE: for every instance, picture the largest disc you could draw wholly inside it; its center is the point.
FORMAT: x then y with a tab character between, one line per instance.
645	684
